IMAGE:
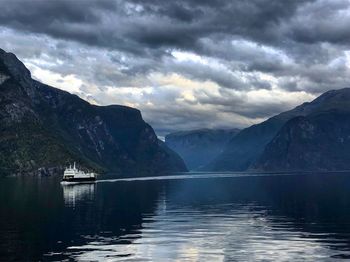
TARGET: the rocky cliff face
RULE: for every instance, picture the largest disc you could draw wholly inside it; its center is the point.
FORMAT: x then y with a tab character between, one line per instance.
41	126
198	147
245	150
317	142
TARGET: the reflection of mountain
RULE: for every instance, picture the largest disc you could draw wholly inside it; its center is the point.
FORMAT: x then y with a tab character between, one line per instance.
240	219
226	219
80	192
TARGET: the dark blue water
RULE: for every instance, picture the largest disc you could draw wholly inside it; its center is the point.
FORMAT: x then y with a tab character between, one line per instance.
251	218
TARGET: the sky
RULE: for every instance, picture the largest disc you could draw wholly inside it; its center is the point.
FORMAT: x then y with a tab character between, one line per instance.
185	64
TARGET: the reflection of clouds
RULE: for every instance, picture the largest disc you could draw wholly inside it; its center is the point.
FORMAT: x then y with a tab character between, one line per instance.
72	194
211	233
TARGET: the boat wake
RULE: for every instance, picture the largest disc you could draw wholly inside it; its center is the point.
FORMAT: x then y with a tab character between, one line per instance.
194	176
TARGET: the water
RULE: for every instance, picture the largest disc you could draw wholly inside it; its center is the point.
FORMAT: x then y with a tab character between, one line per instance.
289	217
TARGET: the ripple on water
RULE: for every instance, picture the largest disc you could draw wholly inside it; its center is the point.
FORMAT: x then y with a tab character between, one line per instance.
178	218
220	233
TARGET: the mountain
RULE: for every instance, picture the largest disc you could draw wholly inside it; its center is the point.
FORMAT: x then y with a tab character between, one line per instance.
320	141
198	147
245	150
44	127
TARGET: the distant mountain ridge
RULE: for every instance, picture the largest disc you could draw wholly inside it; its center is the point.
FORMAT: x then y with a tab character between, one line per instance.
44	127
198	147
250	148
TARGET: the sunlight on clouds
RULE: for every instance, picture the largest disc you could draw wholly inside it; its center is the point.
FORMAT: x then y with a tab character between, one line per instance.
128	96
182	57
180	92
187	56
68	83
181	82
278	96
185	98
188	95
347	56
247	48
186	88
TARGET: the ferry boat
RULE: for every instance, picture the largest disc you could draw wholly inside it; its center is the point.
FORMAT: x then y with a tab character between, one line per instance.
73	174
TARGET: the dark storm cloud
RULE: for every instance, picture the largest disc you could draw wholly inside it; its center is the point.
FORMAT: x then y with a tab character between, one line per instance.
152	24
295	46
322	21
150	28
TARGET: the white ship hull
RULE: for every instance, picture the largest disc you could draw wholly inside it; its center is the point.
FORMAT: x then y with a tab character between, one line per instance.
74	175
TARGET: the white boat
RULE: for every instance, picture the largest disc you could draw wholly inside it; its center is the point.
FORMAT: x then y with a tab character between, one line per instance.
72	174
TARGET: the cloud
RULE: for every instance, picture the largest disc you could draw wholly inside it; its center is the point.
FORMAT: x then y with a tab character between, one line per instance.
185	64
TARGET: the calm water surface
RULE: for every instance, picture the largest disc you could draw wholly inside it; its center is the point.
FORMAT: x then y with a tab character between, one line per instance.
251	218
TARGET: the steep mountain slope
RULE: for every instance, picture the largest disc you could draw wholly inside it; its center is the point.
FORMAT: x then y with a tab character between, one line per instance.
41	126
247	146
198	147
317	142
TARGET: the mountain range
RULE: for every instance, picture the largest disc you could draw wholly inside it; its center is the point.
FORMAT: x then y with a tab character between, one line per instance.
44	128
199	147
312	136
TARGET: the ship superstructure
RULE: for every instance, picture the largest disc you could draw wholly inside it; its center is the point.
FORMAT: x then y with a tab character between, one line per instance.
73	174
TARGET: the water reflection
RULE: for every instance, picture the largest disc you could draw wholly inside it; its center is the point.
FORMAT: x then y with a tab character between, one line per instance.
250	219
78	192
279	218
226	232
